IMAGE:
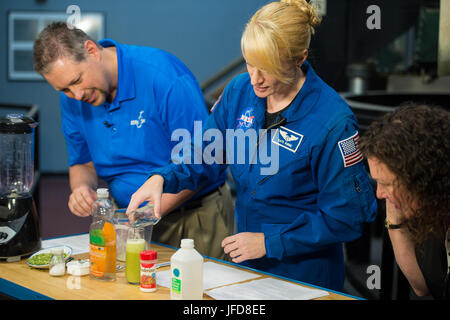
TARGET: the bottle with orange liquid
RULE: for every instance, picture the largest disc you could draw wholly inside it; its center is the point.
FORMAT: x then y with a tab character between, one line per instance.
102	238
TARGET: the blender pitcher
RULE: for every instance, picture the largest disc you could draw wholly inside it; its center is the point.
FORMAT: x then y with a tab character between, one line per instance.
16	155
19	222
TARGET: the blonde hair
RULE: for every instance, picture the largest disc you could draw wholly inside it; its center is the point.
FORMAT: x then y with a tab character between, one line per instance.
278	34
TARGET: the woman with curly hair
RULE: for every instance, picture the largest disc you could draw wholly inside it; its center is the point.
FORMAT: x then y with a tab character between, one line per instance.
408	152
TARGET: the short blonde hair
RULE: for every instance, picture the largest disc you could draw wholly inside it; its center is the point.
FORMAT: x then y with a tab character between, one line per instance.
277	35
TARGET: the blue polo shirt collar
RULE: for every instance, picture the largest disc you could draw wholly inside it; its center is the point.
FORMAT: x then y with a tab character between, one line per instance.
126	88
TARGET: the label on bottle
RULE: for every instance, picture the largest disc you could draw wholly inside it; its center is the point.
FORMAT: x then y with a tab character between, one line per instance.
97	260
96	237
102	253
176	281
148	278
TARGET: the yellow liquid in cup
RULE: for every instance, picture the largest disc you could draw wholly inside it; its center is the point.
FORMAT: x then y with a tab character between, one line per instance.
133	263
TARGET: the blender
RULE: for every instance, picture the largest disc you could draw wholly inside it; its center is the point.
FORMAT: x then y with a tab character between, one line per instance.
19	221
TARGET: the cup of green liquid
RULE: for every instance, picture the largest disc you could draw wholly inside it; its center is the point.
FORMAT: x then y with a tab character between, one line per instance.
135	244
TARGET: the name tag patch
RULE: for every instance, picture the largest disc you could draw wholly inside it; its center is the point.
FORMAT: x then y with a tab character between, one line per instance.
287	139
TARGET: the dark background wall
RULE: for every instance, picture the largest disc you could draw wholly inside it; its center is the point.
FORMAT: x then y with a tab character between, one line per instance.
344	38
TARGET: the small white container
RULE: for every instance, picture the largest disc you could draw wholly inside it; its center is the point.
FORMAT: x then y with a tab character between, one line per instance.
187	273
78	267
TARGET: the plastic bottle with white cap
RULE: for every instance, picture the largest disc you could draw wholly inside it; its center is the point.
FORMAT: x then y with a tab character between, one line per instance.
102	238
187	272
57	265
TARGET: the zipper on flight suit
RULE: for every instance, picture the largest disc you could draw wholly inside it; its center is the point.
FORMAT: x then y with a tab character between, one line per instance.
279	123
357	187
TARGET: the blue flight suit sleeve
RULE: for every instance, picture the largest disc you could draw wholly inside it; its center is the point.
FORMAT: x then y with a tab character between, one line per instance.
77	148
345	201
188	173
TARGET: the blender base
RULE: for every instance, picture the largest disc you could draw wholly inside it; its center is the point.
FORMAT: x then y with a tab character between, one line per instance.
19	228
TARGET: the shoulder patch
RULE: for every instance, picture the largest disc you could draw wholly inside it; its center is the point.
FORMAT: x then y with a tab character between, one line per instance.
350	151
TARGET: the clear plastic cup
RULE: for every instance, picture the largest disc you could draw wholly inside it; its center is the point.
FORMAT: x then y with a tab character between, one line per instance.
143	217
121	224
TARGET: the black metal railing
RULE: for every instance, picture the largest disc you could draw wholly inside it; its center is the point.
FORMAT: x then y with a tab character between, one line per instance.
213	87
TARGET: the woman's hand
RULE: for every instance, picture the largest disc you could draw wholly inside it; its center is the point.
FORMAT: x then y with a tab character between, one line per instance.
393	214
244	246
150	191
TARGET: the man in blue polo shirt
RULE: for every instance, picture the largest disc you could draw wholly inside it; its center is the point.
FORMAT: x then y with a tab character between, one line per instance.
120	105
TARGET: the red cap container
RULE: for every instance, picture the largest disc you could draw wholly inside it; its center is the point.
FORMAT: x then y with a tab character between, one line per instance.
149	255
148	270
148	258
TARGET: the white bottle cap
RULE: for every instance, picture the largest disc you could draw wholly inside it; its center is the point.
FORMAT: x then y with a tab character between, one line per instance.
187	243
78	268
102	193
56	251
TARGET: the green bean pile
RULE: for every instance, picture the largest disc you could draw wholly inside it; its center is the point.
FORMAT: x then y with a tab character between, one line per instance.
42	259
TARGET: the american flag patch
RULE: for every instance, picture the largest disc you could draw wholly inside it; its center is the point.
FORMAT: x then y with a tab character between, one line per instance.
350	151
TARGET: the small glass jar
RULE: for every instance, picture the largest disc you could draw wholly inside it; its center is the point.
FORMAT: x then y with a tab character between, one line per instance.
57	265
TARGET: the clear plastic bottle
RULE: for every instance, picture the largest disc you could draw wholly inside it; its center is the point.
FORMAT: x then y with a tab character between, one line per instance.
187	272
57	265
102	238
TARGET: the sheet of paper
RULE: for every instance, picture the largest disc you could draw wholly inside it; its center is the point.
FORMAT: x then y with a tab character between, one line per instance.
265	289
214	275
78	243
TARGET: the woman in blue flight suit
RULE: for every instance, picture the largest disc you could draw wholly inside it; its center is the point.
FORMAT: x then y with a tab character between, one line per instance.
293	221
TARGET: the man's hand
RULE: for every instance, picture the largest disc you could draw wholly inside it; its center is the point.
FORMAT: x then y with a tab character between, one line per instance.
244	246
81	200
150	191
83	183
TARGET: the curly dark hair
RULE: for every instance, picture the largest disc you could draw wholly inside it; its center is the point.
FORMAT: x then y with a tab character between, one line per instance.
414	143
